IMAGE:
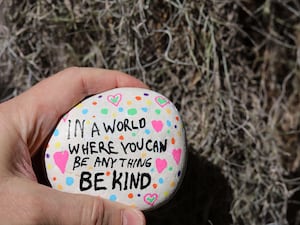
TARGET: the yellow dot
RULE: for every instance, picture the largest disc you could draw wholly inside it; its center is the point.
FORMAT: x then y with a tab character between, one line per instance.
49	166
79	106
129	102
106	138
148	102
59	187
133	205
114	115
57	144
179	133
166	193
88	122
144	154
168	111
90	168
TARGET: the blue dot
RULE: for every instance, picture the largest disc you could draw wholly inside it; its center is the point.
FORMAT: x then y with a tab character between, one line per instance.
69	181
139	195
161	180
147	131
145	109
100	96
85	111
56	132
47	156
146	94
152	170
179	173
113	198
120	109
169	123
175	126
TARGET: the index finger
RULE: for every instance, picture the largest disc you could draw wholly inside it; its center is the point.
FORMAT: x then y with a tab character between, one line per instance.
39	108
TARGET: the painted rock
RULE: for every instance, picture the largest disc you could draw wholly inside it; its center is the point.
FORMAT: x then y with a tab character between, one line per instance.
125	145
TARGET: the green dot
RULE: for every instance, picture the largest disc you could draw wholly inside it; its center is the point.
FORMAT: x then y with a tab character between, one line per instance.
168	131
170	168
133	134
157	111
132	111
104	111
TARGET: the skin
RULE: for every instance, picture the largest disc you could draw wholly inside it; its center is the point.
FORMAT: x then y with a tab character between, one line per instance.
25	123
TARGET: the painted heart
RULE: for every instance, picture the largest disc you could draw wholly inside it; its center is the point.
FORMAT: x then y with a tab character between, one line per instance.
161	164
65	117
150	199
161	101
114	99
157	125
177	155
61	159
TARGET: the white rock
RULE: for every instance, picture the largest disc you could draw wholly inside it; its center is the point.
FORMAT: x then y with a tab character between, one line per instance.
126	145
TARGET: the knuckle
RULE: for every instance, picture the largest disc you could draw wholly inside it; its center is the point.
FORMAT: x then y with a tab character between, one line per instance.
95	213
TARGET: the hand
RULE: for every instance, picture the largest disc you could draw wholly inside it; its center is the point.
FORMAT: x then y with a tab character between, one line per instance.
25	123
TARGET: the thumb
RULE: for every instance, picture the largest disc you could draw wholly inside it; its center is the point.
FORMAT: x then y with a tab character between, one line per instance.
64	208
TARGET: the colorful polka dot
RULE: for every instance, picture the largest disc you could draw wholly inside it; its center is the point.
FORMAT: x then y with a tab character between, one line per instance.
85	111
130	195
79	106
161	180
99	96
56	132
146	94
149	102
59	187
179	173
154	185
94	103
104	111
169	123
47	155
106	138
138	98
107	173
172	184
144	109
54	178
133	134
132	111
88	122
120	109
168	111
121	137
170	168
49	166
57	144
147	131
69	181
166	193
129	102
173	141
113	198
157	111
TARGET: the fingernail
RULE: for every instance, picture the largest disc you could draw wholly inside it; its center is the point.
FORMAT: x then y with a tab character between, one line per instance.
133	217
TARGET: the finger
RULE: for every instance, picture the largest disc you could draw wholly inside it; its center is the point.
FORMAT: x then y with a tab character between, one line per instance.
40	107
26	202
64	208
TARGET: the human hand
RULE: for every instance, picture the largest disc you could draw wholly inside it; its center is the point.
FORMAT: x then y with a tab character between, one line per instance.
26	122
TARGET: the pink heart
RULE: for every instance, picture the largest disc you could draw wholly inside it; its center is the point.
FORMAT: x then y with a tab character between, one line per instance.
150	199
177	155
157	125
161	164
65	117
115	99
61	159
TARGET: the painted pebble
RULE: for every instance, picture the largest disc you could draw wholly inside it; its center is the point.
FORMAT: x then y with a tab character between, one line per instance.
125	145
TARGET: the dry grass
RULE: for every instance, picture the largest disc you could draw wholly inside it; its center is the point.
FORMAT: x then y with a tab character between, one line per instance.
231	67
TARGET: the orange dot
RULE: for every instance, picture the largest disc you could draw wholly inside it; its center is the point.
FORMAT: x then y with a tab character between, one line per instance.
121	137
154	186
172	184
177	118
130	195
94	116
138	98
129	102
54	178
173	141
94	103
59	187
107	173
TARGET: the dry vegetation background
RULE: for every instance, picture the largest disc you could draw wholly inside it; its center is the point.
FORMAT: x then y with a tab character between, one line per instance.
231	67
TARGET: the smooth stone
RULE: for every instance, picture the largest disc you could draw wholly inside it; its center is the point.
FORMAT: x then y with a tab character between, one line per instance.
125	145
